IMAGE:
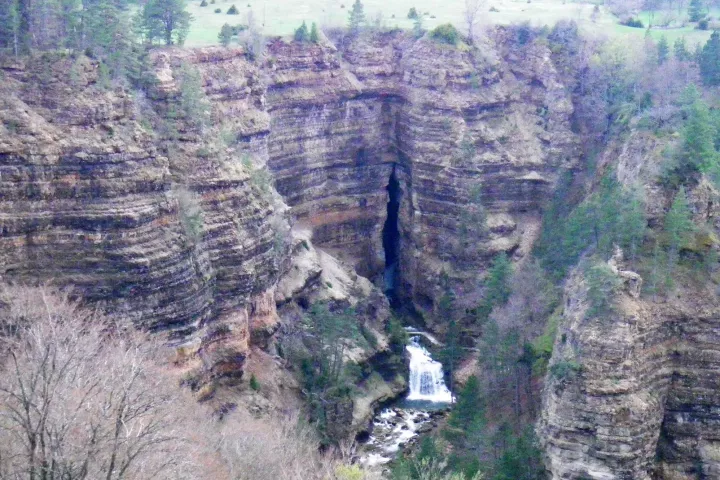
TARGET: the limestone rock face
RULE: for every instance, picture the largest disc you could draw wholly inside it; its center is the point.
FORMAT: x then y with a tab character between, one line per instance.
164	223
445	122
89	199
643	403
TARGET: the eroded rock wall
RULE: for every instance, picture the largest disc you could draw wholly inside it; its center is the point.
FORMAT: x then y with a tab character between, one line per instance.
644	403
116	194
450	121
89	199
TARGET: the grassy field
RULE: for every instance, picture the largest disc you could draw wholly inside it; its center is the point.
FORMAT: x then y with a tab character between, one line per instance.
282	17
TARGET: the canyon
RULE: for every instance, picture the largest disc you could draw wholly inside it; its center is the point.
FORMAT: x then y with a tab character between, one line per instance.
392	164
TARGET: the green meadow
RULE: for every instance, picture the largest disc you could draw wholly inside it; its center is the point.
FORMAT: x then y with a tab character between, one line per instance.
282	17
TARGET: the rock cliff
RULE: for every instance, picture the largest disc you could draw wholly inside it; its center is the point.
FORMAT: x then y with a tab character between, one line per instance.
115	192
634	394
460	130
88	198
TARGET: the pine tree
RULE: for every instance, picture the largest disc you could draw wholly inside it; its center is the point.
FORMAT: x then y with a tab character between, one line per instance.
314	34
680	50
678	228
194	104
663	50
356	18
632	223
469	404
497	286
451	353
696	10
302	34
225	35
697	153
10	26
167	20
710	60
418	30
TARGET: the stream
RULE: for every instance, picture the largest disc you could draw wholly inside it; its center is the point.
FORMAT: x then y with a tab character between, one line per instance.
400	424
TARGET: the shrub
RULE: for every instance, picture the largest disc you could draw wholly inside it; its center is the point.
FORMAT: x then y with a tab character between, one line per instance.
254	384
565	370
217	10
413	14
602	284
190	213
397	335
233	10
369	336
524	33
204	3
633	23
703	24
446	33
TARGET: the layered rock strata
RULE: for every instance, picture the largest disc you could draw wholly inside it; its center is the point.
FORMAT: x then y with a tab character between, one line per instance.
89	198
118	195
455	127
634	394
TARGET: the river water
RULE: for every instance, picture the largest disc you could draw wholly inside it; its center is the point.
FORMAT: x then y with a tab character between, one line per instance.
400	424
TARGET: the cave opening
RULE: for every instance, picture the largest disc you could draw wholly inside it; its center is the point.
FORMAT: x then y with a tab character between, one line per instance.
391	238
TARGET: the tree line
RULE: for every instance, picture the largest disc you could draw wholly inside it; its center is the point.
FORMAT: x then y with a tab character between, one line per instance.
105	27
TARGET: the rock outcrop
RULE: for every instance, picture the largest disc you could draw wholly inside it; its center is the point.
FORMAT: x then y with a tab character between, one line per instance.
633	394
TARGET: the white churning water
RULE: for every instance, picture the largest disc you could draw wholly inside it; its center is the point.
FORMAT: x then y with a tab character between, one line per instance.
426	375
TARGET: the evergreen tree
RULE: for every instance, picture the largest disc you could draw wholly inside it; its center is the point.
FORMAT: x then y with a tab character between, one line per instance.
497	287
10	26
451	352
680	50
710	60
663	50
418	29
696	10
469	404
314	34
167	20
697	152
522	458
467	422
678	227
194	104
632	223
497	284
104	28
301	34
356	18
225	35
602	284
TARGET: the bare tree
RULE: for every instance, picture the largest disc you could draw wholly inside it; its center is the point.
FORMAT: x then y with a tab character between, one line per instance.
473	9
82	398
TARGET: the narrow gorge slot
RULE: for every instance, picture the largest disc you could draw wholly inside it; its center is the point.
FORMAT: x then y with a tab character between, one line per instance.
391	238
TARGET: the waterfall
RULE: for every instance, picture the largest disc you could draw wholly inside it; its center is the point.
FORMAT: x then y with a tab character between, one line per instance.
426	375
398	426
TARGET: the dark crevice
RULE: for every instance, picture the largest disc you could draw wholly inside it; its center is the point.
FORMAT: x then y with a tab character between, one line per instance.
391	239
